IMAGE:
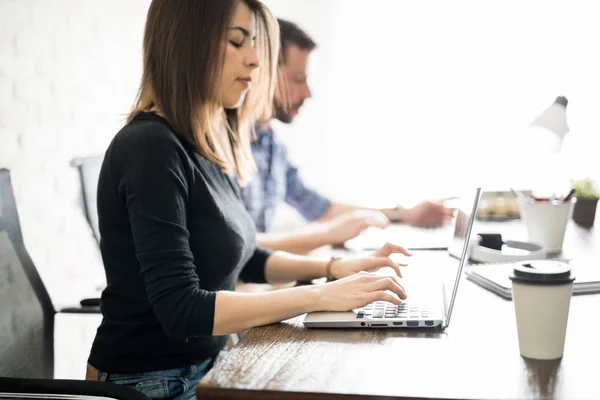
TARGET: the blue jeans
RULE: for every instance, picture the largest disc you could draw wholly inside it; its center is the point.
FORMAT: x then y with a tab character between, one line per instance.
178	383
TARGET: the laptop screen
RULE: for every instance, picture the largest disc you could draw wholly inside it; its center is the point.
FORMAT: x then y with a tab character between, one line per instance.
465	216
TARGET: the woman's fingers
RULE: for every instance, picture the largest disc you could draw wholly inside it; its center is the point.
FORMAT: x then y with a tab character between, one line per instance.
379	262
368	287
382	295
390	248
391	284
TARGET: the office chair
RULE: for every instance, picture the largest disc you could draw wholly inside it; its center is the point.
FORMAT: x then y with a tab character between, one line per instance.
88	169
89	172
10	215
27	322
27	388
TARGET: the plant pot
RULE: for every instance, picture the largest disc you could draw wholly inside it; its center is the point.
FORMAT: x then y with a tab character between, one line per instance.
584	212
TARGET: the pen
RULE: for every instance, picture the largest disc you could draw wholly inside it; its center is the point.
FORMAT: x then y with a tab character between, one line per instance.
568	197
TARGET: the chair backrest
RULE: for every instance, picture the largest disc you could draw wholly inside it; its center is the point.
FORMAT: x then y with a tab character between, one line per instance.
26	311
8	205
89	172
57	389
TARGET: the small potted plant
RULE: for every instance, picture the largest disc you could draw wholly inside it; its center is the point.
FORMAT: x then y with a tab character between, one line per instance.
587	196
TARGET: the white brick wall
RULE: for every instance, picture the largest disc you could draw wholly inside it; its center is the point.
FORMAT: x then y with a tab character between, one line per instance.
69	71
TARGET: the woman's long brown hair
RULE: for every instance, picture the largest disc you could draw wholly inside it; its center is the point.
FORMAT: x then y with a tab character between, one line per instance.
182	65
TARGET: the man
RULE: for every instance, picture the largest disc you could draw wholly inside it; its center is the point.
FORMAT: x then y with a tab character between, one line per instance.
277	180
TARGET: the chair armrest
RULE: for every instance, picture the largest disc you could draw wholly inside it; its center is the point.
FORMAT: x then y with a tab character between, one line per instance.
88	306
91	302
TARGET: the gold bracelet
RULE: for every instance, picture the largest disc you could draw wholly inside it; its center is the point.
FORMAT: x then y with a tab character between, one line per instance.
329	264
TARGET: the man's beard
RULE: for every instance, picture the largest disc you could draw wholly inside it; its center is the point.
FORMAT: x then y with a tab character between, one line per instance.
284	114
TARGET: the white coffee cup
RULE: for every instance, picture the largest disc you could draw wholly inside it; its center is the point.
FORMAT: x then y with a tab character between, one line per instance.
542	295
546	221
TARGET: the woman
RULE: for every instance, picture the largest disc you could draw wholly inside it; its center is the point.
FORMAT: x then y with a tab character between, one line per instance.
175	237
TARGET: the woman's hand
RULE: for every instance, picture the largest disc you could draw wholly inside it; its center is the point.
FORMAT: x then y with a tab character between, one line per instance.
348	266
359	290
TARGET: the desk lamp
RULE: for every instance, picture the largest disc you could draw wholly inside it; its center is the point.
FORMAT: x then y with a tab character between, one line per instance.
553	121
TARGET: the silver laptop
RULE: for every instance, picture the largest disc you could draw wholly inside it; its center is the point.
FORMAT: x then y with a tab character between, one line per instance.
431	284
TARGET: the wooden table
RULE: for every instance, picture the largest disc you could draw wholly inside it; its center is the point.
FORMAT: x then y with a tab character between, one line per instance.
476	357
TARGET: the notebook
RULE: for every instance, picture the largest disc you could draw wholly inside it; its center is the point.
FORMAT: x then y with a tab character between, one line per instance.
495	277
410	237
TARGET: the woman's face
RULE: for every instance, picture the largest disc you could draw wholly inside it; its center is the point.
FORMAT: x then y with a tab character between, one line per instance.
240	57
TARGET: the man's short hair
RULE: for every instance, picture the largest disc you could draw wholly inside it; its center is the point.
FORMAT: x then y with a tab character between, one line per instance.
292	35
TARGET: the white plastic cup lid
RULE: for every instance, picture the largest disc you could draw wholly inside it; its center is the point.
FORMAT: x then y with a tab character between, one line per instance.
545	272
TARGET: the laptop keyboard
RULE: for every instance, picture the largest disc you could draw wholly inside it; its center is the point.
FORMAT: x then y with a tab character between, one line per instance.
384	309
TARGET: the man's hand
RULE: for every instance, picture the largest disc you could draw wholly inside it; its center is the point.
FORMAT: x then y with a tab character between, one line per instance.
426	214
348	225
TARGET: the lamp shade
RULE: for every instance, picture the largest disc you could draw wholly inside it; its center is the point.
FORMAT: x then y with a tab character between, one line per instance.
543	143
554	118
